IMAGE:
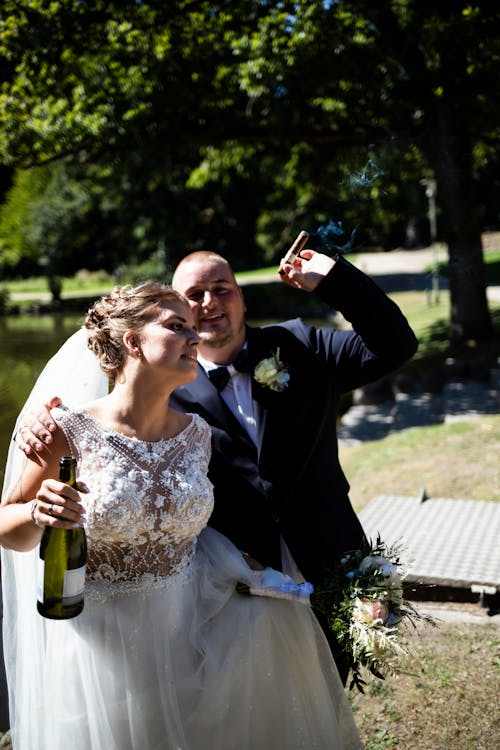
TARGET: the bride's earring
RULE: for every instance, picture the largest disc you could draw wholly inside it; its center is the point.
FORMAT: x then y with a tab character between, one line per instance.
132	345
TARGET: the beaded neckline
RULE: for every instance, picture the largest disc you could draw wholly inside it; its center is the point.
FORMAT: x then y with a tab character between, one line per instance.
116	433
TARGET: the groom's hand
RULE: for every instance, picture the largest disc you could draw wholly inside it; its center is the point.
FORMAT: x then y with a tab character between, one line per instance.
306	270
37	428
252	563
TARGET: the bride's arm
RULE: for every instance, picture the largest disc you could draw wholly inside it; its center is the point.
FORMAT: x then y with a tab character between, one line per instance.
36	498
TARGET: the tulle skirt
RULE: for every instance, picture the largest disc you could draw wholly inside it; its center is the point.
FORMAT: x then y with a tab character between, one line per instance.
182	664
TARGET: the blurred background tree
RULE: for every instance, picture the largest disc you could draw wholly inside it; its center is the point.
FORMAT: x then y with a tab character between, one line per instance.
131	131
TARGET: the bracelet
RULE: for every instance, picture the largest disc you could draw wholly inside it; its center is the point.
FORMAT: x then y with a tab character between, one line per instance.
34	503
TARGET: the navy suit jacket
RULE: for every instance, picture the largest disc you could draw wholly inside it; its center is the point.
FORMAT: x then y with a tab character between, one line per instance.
292	484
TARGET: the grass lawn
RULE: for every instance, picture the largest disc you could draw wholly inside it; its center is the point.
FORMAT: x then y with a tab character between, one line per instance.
457	460
446	695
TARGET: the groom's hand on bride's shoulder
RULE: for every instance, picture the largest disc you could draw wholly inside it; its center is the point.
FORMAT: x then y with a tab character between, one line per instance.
37	428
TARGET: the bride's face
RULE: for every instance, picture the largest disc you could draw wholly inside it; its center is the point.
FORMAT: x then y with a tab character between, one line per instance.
169	342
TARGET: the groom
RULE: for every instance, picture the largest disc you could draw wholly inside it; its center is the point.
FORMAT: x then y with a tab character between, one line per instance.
280	493
275	462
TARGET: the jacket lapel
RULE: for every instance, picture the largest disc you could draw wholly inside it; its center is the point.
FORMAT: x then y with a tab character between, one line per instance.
289	414
210	405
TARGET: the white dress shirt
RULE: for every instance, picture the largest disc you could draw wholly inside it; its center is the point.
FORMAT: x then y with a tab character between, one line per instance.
237	395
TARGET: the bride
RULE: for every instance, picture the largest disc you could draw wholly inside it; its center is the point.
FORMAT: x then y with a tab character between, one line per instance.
166	655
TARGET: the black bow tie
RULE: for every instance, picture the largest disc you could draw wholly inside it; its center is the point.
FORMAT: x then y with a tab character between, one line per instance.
219	376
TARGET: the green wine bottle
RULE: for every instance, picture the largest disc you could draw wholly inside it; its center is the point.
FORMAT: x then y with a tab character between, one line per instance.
61	563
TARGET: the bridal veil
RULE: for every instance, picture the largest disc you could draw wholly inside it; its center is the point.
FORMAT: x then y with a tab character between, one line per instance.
74	375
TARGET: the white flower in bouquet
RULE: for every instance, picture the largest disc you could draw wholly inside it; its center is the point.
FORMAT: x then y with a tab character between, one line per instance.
370	611
272	373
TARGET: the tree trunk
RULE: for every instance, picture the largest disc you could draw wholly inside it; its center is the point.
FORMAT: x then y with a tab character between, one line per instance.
55	287
460	228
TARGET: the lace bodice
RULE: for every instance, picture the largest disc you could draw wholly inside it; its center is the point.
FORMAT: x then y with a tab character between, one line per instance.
147	501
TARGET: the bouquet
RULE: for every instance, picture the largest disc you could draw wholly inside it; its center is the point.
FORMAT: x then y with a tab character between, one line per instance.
364	603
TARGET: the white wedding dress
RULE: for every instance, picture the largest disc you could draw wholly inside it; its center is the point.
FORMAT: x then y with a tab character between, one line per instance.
165	655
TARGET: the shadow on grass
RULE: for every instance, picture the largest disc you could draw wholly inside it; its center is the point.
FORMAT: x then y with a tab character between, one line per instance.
468	360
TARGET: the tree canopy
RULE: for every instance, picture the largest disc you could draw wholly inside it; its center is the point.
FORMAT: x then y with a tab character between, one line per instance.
234	124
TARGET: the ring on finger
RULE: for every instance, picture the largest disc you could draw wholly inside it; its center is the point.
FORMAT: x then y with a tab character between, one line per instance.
50	511
40	524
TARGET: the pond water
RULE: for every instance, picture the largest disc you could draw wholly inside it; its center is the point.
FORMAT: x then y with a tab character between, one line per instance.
26	343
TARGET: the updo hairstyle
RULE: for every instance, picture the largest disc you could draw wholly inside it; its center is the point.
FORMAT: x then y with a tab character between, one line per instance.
127	308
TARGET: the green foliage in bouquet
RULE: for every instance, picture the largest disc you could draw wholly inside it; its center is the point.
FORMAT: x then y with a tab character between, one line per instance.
364	603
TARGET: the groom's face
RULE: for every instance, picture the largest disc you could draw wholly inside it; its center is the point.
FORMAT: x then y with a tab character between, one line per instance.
217	304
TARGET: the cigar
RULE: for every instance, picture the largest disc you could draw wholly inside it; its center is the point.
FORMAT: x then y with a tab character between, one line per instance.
297	247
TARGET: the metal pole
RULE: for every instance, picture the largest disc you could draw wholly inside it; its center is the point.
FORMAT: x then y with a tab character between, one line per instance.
430	193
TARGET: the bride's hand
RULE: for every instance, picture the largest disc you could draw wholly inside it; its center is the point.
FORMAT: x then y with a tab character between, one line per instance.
36	431
58	504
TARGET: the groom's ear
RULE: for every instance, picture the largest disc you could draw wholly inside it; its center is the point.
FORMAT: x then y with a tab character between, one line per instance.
242	299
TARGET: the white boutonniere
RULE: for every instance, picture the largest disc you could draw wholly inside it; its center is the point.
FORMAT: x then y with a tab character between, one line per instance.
272	373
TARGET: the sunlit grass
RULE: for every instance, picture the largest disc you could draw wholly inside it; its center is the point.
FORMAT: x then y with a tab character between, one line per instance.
457	460
445	697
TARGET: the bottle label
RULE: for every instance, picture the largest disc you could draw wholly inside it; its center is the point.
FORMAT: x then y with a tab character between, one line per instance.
74	583
73	586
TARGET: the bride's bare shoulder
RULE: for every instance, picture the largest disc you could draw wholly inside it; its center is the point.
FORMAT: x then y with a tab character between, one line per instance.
177	422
